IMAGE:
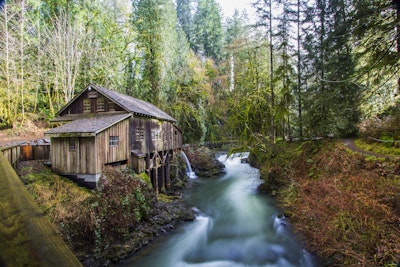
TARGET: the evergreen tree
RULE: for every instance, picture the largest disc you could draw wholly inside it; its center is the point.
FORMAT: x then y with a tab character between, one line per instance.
249	111
264	11
332	105
208	33
377	41
285	70
147	22
236	32
184	10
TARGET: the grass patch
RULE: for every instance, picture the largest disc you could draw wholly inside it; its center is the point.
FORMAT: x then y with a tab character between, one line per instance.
384	149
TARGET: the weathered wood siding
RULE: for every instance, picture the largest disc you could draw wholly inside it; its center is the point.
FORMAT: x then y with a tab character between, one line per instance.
144	135
177	135
151	135
23	152
77	106
12	154
82	159
167	136
107	153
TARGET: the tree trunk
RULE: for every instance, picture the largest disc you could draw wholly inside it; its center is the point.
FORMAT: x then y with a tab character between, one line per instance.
397	5
271	61
299	93
7	65
22	55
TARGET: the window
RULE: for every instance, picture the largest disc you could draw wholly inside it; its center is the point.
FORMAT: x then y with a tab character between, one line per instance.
72	144
111	106
139	132
114	140
155	134
100	104
86	105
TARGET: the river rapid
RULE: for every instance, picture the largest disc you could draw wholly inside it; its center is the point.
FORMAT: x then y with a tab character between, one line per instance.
236	227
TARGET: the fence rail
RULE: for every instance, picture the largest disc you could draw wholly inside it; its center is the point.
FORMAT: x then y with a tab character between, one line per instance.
35	150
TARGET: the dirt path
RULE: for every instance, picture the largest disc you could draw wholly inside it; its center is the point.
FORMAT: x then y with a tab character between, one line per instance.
8	138
350	144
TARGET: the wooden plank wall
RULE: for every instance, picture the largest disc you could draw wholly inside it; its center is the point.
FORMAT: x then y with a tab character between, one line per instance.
108	154
77	106
169	137
80	160
91	153
177	135
21	152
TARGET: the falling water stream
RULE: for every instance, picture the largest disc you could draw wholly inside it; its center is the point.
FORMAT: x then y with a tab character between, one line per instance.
237	227
189	172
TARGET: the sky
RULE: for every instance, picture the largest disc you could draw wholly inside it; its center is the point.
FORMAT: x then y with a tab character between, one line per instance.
228	6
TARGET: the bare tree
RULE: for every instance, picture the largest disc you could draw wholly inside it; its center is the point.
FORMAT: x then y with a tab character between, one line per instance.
64	51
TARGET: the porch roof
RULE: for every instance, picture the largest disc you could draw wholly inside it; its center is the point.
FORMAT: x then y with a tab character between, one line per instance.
87	126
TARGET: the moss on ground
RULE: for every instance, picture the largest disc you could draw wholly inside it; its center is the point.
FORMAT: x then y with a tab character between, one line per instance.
390	149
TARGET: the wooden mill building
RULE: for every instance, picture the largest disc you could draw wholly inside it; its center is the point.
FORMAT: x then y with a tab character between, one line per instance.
101	127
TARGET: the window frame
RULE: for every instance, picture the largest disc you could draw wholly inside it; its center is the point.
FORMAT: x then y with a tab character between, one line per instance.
72	144
101	104
139	134
113	140
155	134
87	105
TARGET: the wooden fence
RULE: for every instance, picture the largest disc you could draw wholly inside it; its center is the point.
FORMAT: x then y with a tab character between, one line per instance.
29	237
35	150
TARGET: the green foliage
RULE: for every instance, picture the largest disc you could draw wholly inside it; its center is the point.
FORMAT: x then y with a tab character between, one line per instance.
377	30
119	204
189	101
388	148
61	48
220	81
185	17
332	100
208	32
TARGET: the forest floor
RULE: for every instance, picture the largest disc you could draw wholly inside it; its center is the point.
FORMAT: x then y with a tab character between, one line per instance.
344	205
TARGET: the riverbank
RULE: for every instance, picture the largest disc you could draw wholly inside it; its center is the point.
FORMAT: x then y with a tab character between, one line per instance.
119	218
345	208
108	224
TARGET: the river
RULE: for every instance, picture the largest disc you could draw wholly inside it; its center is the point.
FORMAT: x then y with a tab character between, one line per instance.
236	227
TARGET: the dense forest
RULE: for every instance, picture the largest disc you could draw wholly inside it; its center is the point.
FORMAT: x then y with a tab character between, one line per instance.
302	69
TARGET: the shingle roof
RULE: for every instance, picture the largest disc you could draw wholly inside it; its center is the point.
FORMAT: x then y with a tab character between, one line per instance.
134	105
88	126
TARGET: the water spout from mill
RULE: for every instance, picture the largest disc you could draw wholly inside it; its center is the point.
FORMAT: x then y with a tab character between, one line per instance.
189	172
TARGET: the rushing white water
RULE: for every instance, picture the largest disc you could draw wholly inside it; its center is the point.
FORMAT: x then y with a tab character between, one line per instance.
237	228
189	172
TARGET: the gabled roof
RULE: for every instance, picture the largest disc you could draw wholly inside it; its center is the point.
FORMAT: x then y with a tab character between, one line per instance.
130	104
88	126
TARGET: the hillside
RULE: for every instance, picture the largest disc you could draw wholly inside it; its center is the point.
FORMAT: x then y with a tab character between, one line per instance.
346	208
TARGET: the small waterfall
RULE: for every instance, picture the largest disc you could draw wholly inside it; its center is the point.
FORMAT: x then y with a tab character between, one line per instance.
189	172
